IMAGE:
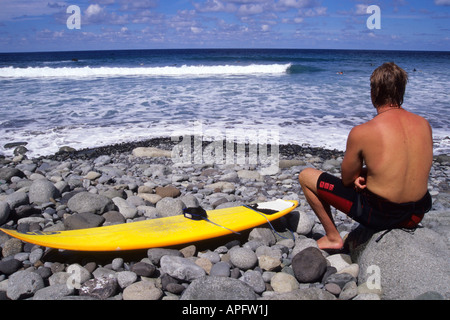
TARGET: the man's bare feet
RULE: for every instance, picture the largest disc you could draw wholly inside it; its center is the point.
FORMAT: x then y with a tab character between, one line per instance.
326	243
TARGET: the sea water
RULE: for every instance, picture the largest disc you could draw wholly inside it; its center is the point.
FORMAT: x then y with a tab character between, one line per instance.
307	97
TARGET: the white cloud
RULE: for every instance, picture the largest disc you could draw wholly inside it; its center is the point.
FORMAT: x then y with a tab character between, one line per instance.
442	2
93	10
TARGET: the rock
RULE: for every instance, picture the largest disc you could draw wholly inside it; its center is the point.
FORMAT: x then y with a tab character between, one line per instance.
7	173
17	199
152	198
430	295
309	265
333	288
23	284
142	290
100	288
143	269
36	255
223	186
349	291
89	202
250	175
42	191
218	288
11	247
156	254
4	212
339	261
303	294
243	258
263	235
269	263
181	268
406	264
92	175
168	191
283	282
128	210
9	266
83	220
126	278
55	292
301	222
168	207
113	217
151	152
220	269
255	280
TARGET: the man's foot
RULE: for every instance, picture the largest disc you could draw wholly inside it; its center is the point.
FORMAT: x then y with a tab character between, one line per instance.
325	243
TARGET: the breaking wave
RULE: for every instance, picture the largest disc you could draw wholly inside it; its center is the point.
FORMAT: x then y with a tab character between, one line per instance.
89	72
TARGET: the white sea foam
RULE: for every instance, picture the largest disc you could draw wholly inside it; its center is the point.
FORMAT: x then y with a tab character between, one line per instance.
92	72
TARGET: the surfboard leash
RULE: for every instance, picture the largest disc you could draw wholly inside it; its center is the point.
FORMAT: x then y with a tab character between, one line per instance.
198	213
263	215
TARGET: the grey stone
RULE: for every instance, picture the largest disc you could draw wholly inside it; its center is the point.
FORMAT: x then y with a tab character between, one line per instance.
4	212
55	292
126	278
7	173
23	284
17	199
142	290
218	288
181	268
155	254
42	191
168	206
83	220
9	266
11	247
89	202
143	269
220	269
255	280
263	235
303	294
243	258
410	263
128	210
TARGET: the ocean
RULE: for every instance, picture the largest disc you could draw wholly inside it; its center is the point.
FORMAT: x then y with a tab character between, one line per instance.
304	97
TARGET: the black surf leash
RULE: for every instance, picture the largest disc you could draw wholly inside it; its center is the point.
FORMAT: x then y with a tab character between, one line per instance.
263	212
198	213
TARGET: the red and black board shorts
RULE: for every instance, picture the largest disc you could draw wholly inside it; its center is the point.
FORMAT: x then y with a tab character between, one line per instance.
370	209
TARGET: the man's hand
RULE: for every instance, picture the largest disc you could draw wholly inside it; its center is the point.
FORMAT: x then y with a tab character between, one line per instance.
360	183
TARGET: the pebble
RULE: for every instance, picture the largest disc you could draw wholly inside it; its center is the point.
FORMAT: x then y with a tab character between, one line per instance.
122	183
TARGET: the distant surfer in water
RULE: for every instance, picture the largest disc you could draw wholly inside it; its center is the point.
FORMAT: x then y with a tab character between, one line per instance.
385	171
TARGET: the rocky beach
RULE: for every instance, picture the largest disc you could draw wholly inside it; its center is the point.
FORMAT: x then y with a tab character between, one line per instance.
137	181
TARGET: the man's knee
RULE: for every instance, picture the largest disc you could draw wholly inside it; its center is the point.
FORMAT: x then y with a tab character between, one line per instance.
309	176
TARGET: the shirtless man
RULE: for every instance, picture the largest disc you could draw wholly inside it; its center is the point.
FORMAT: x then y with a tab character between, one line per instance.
385	170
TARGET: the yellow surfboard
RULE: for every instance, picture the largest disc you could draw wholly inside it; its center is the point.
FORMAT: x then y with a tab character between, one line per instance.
160	232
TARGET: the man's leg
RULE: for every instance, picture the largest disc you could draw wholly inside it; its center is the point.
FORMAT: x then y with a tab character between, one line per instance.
308	180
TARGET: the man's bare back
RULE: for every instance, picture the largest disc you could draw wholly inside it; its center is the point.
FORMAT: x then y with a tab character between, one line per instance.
385	170
397	149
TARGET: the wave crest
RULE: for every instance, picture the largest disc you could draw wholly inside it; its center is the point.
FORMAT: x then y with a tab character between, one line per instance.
90	72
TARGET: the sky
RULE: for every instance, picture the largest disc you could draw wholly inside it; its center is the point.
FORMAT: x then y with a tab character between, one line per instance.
35	25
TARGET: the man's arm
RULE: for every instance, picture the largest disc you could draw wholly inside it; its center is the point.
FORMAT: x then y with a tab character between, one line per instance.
352	164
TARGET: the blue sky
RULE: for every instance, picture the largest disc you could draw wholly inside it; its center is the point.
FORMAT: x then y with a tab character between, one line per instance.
152	24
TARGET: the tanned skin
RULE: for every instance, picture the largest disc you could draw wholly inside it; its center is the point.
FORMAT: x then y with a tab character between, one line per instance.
397	150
